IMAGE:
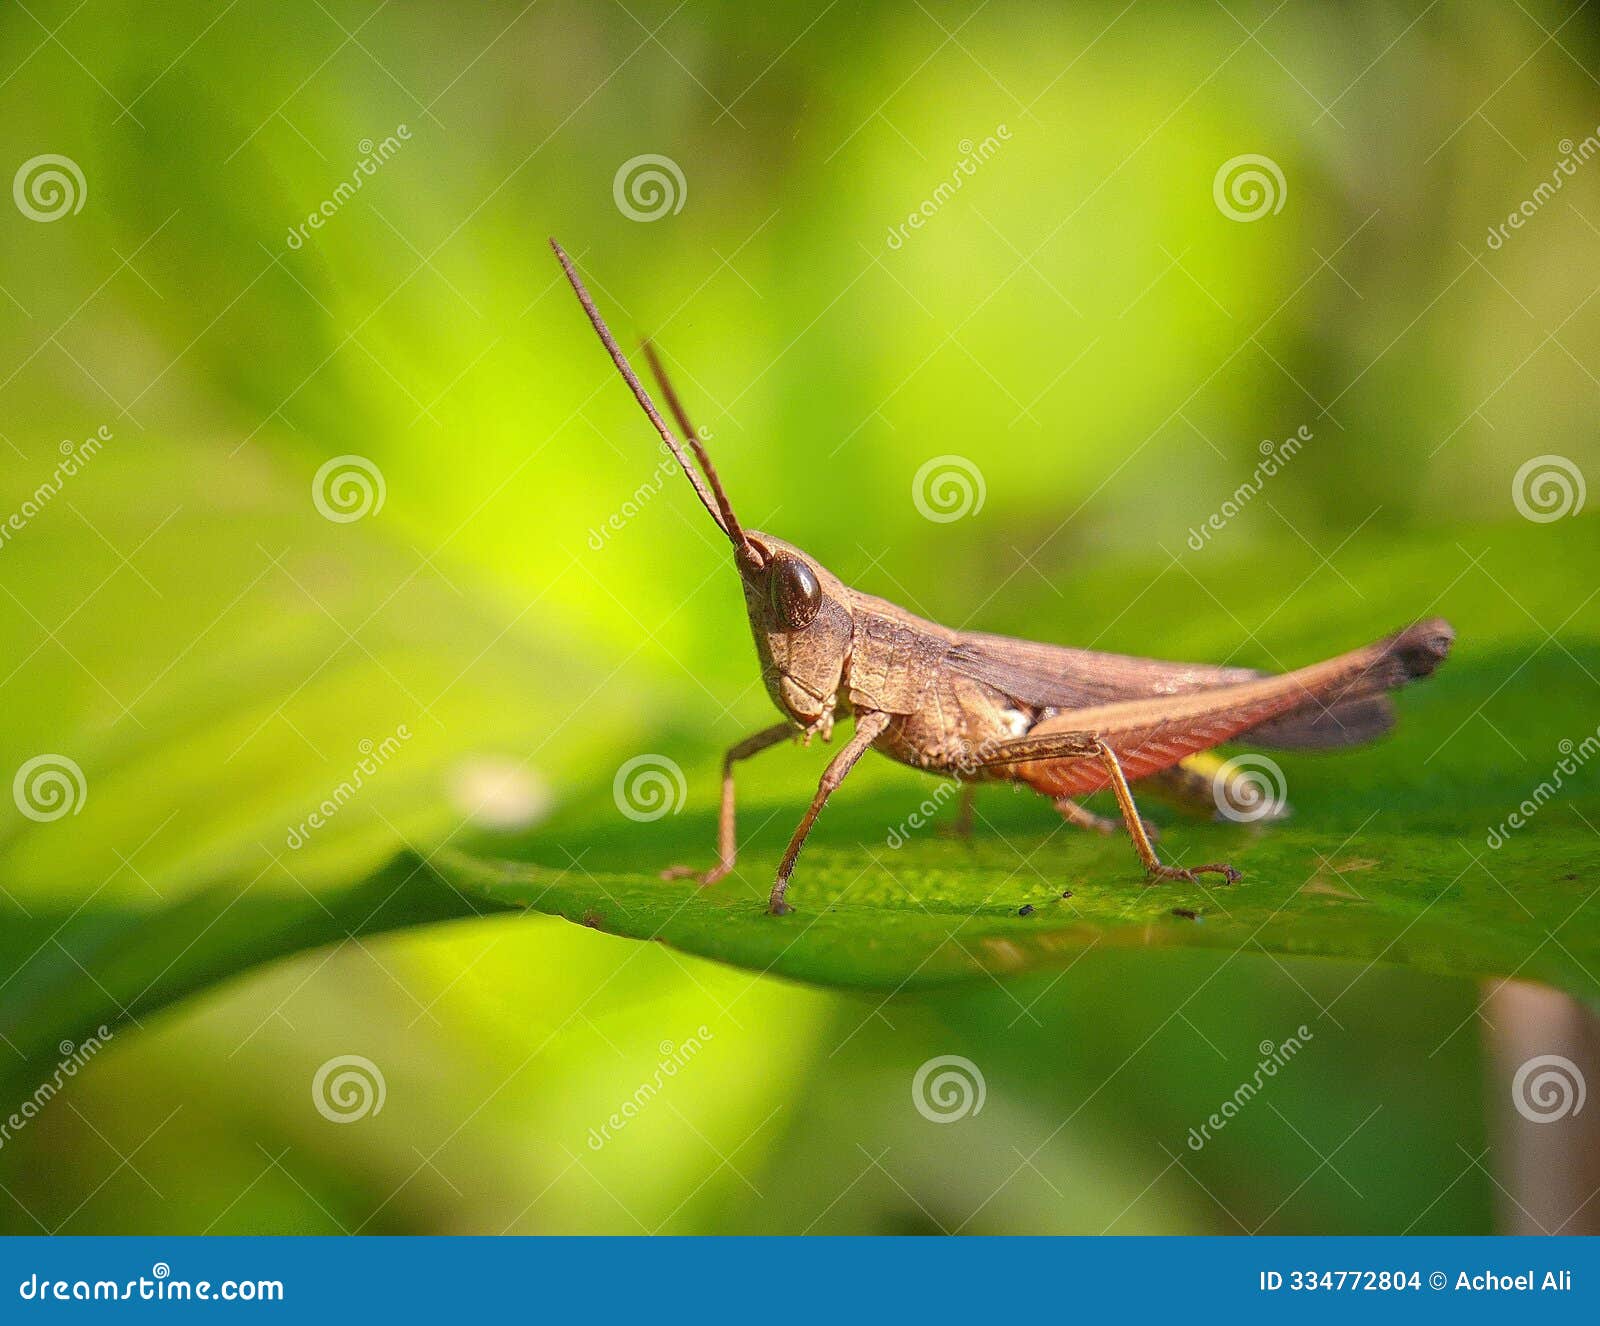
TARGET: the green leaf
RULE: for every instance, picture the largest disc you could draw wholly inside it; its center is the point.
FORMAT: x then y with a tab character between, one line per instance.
68	975
938	912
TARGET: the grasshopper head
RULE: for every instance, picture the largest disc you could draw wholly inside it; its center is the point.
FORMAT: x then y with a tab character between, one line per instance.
800	617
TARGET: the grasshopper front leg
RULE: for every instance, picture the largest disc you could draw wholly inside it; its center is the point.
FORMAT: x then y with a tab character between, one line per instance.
869	727
727	845
1087	745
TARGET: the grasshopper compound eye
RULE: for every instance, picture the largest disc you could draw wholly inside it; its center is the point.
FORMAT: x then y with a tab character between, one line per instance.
796	595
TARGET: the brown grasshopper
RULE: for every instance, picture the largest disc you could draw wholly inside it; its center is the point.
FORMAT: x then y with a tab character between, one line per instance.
1066	722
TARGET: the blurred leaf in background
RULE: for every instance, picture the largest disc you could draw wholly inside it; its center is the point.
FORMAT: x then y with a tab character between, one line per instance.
362	550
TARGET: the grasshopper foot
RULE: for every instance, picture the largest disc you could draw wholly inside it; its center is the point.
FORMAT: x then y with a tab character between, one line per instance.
704	878
1191	874
776	906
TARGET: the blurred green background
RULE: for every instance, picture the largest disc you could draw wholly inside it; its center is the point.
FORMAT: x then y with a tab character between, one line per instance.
1081	320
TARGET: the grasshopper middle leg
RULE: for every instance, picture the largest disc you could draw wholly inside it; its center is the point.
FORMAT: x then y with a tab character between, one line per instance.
961	825
1080	816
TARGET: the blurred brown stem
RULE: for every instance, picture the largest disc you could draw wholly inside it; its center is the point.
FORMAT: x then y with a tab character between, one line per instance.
1545	1155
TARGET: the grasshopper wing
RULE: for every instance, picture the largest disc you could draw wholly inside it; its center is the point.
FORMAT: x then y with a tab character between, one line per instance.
1060	677
1151	734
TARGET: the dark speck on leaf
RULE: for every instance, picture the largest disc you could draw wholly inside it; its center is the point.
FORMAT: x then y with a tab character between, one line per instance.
1186	913
1025	910
1066	893
591	918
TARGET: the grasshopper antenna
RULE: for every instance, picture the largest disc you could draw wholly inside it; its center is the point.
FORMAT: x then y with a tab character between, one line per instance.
659	371
736	535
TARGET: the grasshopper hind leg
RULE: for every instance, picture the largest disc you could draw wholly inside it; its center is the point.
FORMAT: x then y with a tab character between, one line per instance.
1042	748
